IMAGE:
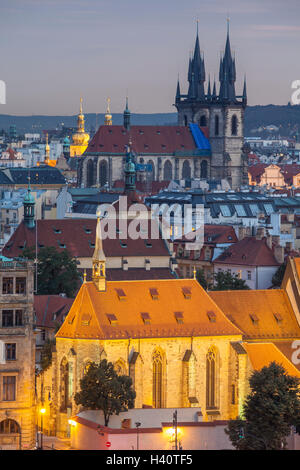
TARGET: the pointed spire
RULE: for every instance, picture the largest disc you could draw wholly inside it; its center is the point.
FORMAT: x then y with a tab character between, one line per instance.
214	93
177	98
209	90
99	259
245	92
47	151
227	73
196	73
126	116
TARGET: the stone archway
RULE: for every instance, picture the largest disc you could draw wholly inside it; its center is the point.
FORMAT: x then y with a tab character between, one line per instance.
10	435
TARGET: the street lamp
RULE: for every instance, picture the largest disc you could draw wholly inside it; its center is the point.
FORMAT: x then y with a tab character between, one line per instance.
137	424
42	412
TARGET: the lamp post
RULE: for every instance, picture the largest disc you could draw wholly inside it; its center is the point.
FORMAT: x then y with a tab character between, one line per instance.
175	428
42	411
137	424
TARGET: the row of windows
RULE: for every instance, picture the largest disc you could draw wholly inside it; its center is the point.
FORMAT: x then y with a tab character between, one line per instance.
8	285
203	123
12	318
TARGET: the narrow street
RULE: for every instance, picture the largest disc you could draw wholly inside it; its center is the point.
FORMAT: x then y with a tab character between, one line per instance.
55	443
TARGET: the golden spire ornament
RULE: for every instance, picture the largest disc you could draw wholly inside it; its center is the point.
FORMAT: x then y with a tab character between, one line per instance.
108	116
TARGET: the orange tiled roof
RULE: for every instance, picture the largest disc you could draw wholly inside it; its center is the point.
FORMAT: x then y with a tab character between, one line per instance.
297	266
91	313
239	306
262	354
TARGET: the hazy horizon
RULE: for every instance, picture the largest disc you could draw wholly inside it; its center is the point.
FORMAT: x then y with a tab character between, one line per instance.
54	51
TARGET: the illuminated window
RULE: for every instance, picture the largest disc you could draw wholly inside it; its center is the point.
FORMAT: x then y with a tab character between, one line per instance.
9	388
157	362
9	426
21	285
211	379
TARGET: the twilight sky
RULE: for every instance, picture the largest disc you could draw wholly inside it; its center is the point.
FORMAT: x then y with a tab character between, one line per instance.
54	51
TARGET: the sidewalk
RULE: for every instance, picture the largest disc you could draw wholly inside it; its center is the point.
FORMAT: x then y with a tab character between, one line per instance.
54	443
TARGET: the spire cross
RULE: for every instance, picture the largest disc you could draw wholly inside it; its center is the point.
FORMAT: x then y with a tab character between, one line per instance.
80	105
108	102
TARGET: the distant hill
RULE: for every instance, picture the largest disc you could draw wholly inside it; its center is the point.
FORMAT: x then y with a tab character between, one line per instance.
287	118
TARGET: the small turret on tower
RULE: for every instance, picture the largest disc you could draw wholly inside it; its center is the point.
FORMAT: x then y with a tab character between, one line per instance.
99	260
108	116
126	116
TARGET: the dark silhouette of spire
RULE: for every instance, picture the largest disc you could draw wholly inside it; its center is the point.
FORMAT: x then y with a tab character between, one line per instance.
245	92
126	116
177	99
227	73
196	73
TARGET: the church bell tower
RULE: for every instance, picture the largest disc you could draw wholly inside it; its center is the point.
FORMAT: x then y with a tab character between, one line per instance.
99	260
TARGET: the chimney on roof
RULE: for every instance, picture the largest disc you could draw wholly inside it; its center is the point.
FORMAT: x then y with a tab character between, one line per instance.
289	246
276	239
279	254
260	233
269	241
242	232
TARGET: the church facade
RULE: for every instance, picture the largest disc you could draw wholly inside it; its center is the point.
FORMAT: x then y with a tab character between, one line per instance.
207	143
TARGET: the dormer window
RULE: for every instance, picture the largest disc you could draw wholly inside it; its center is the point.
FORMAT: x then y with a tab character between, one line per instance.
254	318
112	319
186	292
121	294
146	318
179	317
154	293
211	316
278	317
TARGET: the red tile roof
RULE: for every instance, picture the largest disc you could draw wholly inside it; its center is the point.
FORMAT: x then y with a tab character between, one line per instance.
78	237
132	274
248	252
145	139
51	309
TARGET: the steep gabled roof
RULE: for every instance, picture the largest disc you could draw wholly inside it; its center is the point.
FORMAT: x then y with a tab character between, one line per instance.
106	315
78	237
145	139
248	252
260	314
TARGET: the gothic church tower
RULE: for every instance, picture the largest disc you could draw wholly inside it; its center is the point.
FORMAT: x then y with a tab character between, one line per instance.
222	113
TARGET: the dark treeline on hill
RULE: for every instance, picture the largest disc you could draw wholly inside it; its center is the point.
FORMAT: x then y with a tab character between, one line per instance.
287	118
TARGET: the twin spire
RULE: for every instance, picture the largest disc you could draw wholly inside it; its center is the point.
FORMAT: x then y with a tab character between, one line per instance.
227	78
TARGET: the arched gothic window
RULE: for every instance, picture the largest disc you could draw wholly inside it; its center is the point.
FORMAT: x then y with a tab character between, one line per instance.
186	170
211	378
234	125
120	367
64	384
103	172
90	180
168	171
216	125
203	173
203	121
157	364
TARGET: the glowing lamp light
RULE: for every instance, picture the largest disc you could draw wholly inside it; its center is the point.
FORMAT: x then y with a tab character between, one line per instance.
72	422
170	432
43	411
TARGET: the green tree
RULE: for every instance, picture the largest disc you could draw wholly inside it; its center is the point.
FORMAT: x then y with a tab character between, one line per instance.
101	388
278	276
46	354
200	276
227	281
270	409
56	271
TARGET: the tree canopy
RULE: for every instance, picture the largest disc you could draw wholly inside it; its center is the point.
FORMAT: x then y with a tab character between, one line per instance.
228	281
270	409
56	271
101	388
